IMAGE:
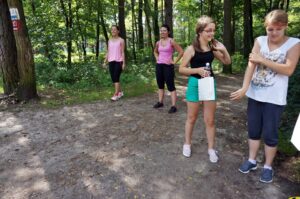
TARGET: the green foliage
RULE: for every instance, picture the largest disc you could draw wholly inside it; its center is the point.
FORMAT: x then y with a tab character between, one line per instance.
89	81
290	114
239	63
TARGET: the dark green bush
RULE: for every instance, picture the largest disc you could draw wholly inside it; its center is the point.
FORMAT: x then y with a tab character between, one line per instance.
290	114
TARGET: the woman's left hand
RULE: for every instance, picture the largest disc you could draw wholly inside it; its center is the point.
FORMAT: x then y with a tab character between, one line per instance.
219	46
256	58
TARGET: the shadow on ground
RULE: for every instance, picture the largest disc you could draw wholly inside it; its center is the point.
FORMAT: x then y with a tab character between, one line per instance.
127	149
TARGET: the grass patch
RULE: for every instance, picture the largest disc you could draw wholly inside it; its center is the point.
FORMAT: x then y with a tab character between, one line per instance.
55	97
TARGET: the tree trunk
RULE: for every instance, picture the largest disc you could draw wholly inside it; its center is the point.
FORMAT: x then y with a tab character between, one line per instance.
83	42
121	6
140	25
155	21
233	28
133	31
162	11
147	13
102	22
227	31
169	15
68	23
98	30
8	51
211	7
287	6
27	86
248	32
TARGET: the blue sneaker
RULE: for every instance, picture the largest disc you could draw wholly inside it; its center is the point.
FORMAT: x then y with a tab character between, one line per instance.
266	175
247	166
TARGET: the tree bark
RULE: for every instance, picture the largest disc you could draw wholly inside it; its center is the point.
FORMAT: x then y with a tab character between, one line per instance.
147	13
248	32
8	51
69	24
169	15
140	25
227	38
81	30
155	21
98	30
133	30
27	86
211	8
121	6
102	22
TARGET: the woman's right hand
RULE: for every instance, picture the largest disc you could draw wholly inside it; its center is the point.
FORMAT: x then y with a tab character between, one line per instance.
104	64
203	73
238	94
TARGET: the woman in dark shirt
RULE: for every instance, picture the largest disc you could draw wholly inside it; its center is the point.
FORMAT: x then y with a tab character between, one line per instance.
201	54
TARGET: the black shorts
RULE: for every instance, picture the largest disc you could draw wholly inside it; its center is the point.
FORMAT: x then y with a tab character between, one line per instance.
165	74
115	70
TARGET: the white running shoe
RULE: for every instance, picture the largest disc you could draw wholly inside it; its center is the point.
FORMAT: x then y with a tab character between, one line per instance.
115	97
120	94
213	157
186	151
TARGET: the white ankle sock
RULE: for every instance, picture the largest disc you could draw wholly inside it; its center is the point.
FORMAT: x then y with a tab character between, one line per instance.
252	161
267	167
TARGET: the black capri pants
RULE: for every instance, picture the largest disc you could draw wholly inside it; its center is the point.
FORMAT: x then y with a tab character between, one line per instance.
264	120
115	69
165	74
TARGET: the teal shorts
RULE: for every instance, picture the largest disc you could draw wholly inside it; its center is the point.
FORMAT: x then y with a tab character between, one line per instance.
192	90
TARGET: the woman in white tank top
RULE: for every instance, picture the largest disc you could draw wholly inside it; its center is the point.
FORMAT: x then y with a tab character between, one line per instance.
273	59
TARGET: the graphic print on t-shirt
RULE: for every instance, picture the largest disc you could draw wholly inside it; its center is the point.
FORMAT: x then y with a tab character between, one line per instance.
264	76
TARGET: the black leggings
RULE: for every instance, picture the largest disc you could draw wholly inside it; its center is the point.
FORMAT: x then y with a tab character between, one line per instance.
165	74
115	69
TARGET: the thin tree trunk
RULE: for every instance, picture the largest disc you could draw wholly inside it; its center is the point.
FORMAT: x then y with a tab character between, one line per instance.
169	15
121	6
227	31
8	51
27	86
233	28
147	13
133	31
98	30
68	23
102	21
248	32
162	17
287	5
83	43
211	7
155	21
140	25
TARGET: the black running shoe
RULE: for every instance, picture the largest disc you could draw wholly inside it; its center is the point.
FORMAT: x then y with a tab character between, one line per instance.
173	109
158	105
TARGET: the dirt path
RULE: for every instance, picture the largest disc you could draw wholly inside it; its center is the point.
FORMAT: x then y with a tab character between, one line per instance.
127	149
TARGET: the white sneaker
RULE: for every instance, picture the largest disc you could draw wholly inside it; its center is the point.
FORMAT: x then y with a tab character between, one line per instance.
120	94
115	97
186	151
213	157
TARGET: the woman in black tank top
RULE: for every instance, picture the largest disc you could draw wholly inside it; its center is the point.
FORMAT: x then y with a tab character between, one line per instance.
198	55
200	59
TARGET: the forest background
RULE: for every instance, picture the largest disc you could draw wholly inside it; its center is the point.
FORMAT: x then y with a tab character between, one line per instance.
56	51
